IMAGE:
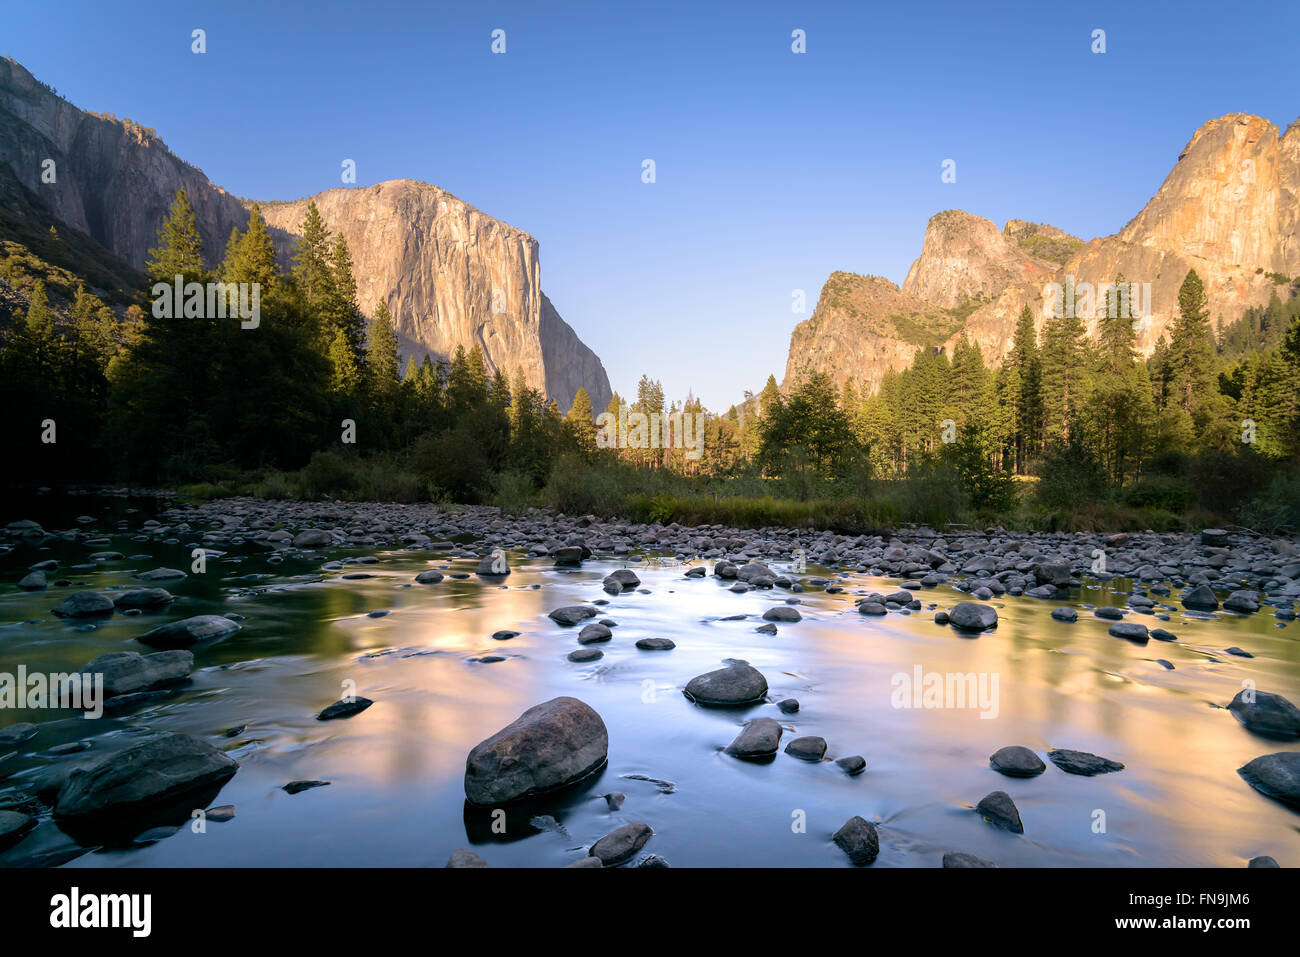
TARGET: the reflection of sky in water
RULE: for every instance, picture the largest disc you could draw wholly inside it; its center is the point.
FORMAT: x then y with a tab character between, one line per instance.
397	797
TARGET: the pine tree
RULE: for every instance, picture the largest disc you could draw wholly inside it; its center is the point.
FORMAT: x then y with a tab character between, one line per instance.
180	247
343	314
345	378
1191	351
581	422
381	367
311	260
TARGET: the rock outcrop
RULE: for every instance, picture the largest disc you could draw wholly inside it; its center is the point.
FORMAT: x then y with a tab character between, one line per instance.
451	275
1229	208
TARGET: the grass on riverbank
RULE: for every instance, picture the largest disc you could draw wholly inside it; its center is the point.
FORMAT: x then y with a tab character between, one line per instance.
933	497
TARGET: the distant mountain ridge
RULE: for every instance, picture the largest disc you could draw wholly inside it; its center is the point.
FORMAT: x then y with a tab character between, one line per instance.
453	276
1229	208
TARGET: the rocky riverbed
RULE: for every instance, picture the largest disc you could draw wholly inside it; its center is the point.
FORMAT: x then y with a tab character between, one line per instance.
339	683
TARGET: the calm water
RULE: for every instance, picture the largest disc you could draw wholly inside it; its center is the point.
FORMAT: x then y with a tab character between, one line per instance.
396	796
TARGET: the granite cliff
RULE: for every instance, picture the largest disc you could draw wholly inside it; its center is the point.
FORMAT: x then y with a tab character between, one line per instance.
452	275
1229	208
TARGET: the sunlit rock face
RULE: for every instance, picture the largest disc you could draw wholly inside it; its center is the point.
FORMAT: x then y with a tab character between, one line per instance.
1230	209
964	257
452	275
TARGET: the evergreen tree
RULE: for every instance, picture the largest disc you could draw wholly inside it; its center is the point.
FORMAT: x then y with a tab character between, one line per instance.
382	360
180	247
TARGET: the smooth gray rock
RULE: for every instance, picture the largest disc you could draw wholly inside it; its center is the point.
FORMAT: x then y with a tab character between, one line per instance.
1266	713
1065	614
971	616
858	839
549	746
572	614
33	581
344	708
155	769
782	613
761	738
1017	762
312	538
733	685
143	598
807	748
84	604
621	845
656	644
585	654
998	807
1262	861
189	631
1131	631
429	577
161	575
128	672
852	764
1275	775
1201	598
593	633
621	579
493	566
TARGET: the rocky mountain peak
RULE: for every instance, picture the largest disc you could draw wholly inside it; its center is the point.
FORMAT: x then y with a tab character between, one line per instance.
965	258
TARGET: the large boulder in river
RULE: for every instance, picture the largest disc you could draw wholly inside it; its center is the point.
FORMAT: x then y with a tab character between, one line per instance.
156	769
572	614
1276	775
1201	598
621	845
547	747
189	631
128	672
1266	713
972	616
84	604
734	685
143	598
620	579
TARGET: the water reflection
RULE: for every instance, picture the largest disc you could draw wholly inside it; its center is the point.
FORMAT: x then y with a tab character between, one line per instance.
396	794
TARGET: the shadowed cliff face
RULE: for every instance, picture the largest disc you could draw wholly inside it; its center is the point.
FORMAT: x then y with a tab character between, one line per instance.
1230	209
451	275
113	180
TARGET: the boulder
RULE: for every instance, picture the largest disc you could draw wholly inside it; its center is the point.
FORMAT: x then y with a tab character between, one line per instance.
621	845
971	616
760	739
1017	762
734	685
858	839
549	746
84	604
1266	713
189	631
129	672
155	769
1275	775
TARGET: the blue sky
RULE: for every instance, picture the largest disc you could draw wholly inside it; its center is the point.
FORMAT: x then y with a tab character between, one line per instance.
773	169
